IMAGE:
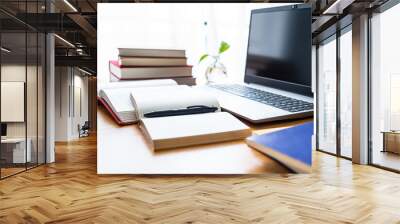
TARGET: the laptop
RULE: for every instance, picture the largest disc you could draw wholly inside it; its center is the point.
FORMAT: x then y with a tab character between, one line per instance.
277	79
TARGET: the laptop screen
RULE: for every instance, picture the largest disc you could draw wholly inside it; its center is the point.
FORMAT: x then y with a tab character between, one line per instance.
279	48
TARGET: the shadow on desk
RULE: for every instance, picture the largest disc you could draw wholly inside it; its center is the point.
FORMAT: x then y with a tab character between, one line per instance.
124	150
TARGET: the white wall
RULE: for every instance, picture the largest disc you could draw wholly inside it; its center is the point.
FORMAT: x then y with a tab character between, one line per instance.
71	102
16	72
80	110
62	82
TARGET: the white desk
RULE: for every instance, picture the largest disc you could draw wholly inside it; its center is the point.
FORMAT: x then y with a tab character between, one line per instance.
18	149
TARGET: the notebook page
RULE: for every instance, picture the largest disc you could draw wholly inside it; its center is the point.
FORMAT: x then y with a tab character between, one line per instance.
155	99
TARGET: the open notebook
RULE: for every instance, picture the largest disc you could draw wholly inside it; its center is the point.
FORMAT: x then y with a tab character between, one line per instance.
177	116
115	97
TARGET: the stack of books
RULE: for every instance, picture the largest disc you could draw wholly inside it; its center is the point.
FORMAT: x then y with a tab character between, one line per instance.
142	64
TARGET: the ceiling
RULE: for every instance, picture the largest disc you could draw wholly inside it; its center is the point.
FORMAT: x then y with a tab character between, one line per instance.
75	23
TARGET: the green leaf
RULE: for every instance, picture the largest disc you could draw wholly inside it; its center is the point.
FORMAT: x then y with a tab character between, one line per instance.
223	47
204	56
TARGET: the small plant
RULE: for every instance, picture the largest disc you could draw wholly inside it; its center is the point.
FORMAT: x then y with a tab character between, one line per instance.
224	46
216	71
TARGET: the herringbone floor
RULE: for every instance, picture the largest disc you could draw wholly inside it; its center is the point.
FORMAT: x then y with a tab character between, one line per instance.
69	191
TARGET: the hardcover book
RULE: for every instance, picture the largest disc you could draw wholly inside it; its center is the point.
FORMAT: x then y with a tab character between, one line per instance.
291	146
189	81
140	52
145	72
151	61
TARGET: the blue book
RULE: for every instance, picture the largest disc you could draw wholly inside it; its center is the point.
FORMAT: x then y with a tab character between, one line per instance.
291	147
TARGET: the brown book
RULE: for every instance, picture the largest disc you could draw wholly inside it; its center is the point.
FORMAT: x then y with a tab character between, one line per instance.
145	72
151	61
189	81
138	52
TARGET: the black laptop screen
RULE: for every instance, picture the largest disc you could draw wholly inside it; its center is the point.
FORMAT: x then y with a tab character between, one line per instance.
279	48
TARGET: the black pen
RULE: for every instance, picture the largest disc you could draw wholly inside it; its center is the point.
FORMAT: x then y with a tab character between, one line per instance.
198	109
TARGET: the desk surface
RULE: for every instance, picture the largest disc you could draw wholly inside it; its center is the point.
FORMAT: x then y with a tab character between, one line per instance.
123	150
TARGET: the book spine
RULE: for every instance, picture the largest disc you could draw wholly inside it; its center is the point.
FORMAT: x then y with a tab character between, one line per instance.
111	112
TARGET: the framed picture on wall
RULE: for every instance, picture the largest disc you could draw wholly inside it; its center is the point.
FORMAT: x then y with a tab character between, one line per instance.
12	101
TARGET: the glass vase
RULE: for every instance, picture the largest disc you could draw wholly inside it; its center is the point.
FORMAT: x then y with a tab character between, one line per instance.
216	71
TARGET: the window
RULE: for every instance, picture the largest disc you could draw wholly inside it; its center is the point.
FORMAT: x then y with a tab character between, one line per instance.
385	89
334	121
22	66
327	95
346	92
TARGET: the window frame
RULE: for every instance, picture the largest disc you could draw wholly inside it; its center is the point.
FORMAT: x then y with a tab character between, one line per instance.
333	37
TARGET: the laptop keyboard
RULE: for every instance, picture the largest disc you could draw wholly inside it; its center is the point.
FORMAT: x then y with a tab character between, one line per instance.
271	99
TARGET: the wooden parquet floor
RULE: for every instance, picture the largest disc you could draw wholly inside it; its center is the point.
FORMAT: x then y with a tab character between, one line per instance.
69	191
